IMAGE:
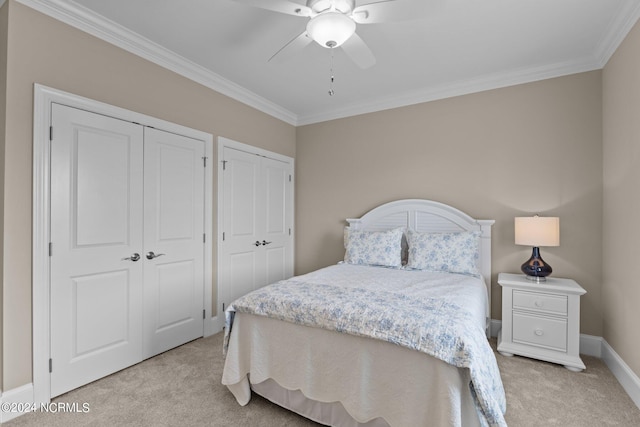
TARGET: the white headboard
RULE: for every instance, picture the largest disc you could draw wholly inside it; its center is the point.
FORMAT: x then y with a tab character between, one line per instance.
430	216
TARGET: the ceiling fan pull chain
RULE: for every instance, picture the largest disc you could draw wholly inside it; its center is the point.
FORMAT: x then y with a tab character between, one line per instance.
331	92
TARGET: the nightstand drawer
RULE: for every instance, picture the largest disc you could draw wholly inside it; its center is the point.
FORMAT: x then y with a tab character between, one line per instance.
540	331
544	303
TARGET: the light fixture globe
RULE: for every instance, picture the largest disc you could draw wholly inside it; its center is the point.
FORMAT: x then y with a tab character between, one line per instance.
331	29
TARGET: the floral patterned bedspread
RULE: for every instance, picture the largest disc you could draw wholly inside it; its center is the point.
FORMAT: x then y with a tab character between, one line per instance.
411	317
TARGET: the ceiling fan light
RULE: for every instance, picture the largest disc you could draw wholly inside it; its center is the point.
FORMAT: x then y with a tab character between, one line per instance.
331	29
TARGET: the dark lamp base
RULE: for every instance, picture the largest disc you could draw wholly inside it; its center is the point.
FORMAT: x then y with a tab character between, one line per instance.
535	268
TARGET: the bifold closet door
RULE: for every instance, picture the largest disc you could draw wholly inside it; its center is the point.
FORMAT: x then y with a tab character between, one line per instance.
127	245
96	262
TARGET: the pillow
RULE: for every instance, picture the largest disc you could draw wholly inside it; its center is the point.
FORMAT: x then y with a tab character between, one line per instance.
451	252
381	248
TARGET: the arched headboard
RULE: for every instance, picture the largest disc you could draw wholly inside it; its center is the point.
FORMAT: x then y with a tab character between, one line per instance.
434	217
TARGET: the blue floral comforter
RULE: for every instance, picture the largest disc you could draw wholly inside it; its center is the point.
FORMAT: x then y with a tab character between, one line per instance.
413	319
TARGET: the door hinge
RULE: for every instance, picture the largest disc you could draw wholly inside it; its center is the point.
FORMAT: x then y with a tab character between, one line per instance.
204	159
223	236
50	365
204	238
289	232
223	307
50	133
224	165
204	314
50	249
289	178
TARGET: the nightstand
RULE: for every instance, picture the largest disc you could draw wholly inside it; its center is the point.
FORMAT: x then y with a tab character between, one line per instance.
541	320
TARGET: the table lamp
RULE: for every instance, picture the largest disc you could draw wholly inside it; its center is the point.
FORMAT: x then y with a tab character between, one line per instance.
537	231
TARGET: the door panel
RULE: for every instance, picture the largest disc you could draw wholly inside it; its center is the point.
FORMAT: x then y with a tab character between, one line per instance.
101	188
277	220
174	230
96	222
243	263
100	303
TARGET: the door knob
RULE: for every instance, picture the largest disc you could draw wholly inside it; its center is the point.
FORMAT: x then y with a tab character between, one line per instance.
152	255
265	243
134	257
257	243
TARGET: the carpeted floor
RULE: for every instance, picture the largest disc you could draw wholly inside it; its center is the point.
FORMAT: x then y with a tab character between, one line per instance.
182	388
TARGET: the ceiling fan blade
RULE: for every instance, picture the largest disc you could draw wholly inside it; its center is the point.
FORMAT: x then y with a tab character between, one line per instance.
359	52
282	6
292	48
393	11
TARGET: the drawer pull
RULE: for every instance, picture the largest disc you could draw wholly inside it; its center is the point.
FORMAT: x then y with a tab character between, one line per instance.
539	332
539	304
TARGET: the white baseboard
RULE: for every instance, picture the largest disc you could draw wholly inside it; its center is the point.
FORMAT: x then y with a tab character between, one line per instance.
591	345
22	397
626	377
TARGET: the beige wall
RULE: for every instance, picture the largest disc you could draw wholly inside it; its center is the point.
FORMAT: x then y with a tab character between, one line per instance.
43	50
621	225
533	148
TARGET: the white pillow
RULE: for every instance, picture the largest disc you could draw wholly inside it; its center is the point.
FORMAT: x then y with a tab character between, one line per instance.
451	252
383	248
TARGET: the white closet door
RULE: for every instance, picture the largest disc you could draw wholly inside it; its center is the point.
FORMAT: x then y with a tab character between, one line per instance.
257	247
173	240
278	219
243	257
96	235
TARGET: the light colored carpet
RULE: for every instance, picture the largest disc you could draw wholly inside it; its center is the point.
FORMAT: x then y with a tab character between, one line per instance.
182	388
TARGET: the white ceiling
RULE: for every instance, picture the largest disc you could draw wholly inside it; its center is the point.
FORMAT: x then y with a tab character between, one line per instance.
454	47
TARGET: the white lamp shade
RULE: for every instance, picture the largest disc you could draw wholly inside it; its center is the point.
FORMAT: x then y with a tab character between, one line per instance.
537	231
331	29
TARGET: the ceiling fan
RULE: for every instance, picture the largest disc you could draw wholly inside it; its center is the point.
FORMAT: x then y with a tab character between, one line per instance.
332	24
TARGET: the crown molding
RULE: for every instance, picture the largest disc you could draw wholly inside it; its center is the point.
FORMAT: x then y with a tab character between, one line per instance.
106	30
450	90
624	21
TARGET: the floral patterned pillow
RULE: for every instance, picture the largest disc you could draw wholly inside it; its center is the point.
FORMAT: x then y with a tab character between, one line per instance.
381	248
451	252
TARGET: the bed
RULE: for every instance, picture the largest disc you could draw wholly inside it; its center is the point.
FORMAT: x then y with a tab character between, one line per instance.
396	335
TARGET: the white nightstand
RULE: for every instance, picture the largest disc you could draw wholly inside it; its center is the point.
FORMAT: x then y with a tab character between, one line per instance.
541	320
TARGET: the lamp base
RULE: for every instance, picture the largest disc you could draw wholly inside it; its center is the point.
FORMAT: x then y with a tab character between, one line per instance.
535	268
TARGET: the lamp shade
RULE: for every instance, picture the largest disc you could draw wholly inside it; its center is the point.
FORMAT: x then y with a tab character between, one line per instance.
537	231
331	29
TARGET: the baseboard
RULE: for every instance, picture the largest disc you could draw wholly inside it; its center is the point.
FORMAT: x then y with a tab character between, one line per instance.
591	345
625	376
19	401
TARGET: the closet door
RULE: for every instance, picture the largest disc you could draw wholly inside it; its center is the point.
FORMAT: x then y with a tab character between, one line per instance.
242	260
96	244
173	240
257	247
127	239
